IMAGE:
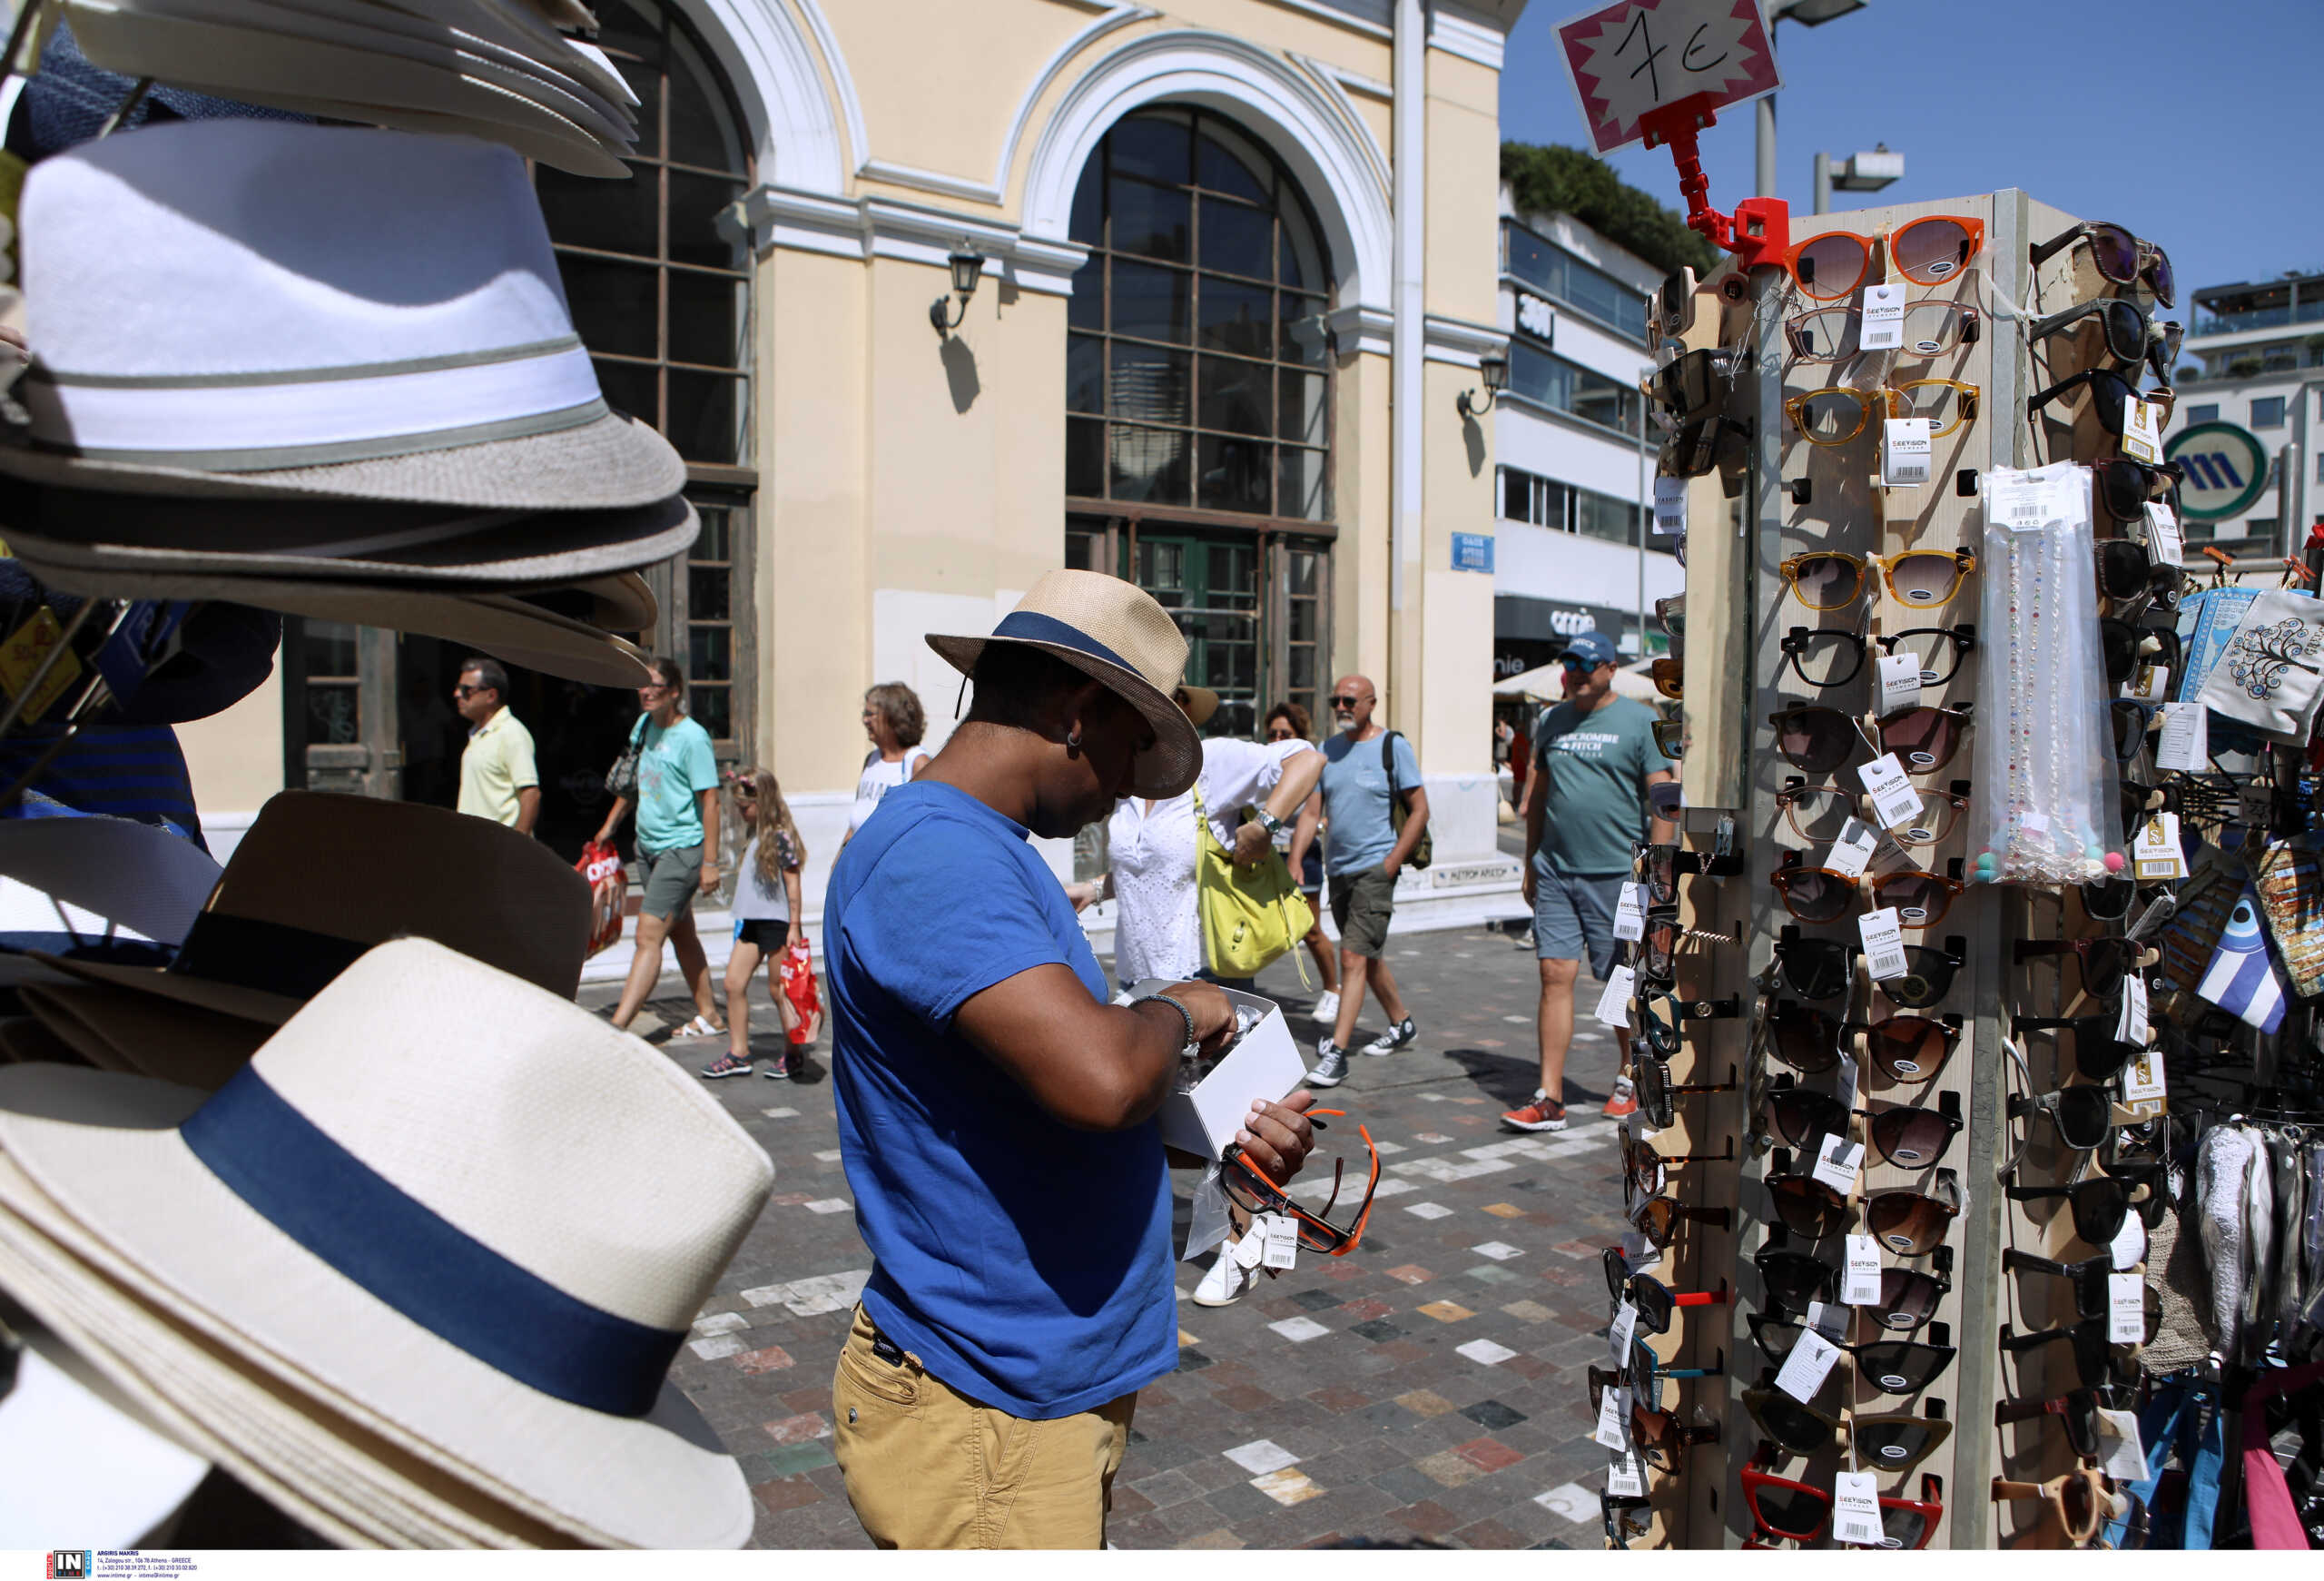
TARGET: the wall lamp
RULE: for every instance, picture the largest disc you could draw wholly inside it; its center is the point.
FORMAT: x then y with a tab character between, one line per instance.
968	268
1493	367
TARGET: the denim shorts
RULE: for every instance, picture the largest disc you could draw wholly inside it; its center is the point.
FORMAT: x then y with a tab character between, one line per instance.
1573	917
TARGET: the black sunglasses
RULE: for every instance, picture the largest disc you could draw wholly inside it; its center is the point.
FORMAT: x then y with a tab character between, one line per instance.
2131	334
1906	1135
2098	1053
1833	658
2120	256
2126	647
2108	391
2099	1204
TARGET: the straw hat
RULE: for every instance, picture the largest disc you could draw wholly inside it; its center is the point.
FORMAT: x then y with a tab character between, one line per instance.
262	309
440	1206
1112	630
318	880
1200	702
131	877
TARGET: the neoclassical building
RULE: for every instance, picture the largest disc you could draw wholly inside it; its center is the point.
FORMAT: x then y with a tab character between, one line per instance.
1238	260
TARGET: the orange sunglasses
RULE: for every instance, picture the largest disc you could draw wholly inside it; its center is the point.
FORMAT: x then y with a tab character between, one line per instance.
1250	1188
1928	251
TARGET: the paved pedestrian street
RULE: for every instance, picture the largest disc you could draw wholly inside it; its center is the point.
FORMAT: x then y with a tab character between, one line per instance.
1427	1389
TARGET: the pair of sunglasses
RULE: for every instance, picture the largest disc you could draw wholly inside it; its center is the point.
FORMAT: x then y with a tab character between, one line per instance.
1658	1095
1819	813
1834	334
1250	1188
1646	1172
1822	969
1783	1507
1928	251
1659	867
1833	658
2128	724
1901	1134
2105	960
2128	570
2126	647
1833	579
1819	740
2098	1053
2128	331
2094	1353
1890	1441
2123	486
1907	1222
1697	384
2076	1411
1665	1033
2120	257
1794	1280
2107	390
1704	446
2099	1204
1909	1300
2138	805
2087	1278
2083	1500
1821	895
1654	1299
1643	1375
1836	414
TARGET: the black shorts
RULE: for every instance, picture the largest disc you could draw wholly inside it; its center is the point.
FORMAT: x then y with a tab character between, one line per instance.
768	934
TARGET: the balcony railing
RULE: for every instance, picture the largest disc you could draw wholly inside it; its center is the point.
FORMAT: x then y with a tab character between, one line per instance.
2211	323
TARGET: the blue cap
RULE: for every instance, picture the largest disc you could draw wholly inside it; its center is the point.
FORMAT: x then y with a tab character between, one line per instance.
1593	648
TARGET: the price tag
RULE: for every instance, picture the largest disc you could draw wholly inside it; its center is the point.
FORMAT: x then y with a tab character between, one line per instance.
1669	505
1894	799
1848	1081
2131	1027
1625	1478
2143	430
1830	1321
1851	854
2186	737
2164	545
1838	1161
1883	310
2129	1248
1900	681
1640	1254
1614	1420
2125	1308
1905	451
2143	1077
21	654
1855	1509
2031	502
1808	1365
2155	852
2121	1455
1884	943
1254	1244
1619	1333
1630	912
1861	1286
1283	1241
1614	1005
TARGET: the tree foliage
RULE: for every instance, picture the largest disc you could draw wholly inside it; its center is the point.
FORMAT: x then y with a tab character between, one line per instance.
1550	178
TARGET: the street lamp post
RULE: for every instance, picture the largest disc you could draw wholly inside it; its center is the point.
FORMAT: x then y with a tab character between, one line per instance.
1808	14
1859	173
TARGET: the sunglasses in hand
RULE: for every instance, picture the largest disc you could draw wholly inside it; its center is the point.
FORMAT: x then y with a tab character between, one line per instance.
1251	1189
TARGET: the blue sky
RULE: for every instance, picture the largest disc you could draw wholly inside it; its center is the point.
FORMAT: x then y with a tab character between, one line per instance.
2190	123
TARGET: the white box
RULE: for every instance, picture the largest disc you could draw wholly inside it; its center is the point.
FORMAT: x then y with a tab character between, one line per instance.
1266	1064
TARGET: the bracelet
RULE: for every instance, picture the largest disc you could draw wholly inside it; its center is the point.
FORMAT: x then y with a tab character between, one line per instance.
1174	1004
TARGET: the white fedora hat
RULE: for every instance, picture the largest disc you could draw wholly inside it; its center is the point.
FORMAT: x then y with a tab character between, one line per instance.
468	1215
262	309
1115	632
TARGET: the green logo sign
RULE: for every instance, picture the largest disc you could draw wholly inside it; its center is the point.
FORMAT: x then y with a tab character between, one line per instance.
2227	469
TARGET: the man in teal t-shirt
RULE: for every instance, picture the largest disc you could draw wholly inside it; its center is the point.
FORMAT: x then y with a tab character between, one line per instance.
677	844
1585	807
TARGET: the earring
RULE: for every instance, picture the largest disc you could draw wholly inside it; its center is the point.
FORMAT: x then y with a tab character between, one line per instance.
1073	740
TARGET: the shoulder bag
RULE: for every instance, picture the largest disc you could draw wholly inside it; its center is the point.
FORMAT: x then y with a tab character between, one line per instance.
1424	849
1250	916
621	780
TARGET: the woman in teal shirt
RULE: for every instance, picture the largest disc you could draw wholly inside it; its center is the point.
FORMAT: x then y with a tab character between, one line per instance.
677	845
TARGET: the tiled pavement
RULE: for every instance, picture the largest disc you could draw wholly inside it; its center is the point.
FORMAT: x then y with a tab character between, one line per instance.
1427	1389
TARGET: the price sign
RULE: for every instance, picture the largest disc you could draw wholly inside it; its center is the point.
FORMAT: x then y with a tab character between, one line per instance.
1614	1005
1906	448
2149	683
1883	312
1808	1365
1669	505
1855	1509
1861	1286
2125	1308
2034	500
1630	912
2186	737
1631	59
1894	799
1884	943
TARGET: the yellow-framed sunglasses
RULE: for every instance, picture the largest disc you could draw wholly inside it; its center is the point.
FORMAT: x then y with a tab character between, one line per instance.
1835	414
1923	578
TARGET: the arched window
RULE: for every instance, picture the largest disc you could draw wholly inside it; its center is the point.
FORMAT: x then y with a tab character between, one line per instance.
1199	400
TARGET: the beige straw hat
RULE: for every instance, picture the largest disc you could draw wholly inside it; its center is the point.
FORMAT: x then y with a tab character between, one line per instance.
317	880
457	1222
1114	631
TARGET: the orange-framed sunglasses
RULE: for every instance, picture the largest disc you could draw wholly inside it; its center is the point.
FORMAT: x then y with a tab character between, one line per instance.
1928	251
1248	1187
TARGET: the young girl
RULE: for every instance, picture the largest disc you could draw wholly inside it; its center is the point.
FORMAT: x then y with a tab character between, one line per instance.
766	899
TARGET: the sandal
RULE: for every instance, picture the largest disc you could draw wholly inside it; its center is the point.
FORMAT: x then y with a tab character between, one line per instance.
699	1027
726	1065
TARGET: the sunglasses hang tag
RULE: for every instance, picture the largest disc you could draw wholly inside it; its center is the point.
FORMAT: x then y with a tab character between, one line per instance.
2150	684
1855	1508
1625	1478
1630	912
1900	681
1613	1429
1283	1243
1906	445
1883	318
1808	1365
1884	943
1838	1163
2129	1249
1895	802
2131	1027
1847	1078
2121	1455
1614	1005
1670	506
2143	430
1619	1332
1861	1288
2164	542
1253	1247
1851	854
2155	852
2186	737
2125	1308
2143	1078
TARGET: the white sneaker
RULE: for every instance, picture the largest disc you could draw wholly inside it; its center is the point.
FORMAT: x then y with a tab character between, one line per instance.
1328	1008
1224	1285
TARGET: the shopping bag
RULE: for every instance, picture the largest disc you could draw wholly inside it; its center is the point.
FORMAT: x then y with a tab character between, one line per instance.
601	865
799	987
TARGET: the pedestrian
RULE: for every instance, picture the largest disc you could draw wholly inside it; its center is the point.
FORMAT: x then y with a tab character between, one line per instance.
1364	852
1587	806
677	844
497	778
1303	853
766	903
894	721
995	1114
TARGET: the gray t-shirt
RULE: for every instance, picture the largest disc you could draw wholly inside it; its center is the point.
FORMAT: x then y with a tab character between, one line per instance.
1595	767
1355	799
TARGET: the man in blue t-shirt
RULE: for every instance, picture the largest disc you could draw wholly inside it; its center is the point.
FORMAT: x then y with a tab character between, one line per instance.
995	1114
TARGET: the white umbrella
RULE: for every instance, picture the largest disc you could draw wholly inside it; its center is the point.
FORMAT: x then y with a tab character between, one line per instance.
1545	683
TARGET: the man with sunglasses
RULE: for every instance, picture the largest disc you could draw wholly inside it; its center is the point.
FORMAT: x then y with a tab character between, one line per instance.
1586	807
1364	850
498	779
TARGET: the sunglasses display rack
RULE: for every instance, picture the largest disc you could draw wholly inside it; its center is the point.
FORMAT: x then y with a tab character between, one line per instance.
1862	404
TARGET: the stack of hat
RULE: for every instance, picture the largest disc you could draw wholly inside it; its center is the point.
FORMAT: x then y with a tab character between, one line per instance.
494	69
416	1274
328	371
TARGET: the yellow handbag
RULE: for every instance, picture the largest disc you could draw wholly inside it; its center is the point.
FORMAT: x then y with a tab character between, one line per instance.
1250	916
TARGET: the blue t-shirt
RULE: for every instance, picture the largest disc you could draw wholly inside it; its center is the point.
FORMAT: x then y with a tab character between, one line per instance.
675	767
1027	1263
1355	799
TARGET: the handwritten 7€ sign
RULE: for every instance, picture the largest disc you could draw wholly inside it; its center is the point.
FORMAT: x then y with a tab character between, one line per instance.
1637	56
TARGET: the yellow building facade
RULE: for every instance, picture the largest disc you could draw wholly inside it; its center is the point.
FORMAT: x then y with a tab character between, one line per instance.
1237	262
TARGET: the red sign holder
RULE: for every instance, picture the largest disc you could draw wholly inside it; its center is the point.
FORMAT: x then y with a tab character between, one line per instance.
1759	230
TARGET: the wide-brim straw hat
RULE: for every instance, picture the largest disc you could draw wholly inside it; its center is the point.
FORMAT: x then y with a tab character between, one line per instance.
440	1206
318	880
1113	631
1200	702
130	877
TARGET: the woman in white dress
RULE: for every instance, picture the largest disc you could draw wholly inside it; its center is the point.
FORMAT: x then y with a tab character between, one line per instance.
895	724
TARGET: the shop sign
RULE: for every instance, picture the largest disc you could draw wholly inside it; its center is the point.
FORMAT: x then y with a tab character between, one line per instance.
1472	552
2227	469
1536	318
1632	58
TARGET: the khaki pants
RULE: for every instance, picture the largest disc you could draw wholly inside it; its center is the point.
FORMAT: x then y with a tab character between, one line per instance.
928	1467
